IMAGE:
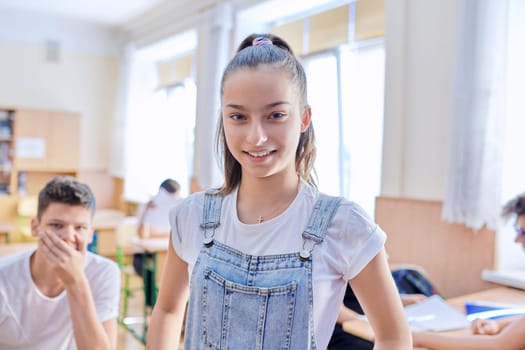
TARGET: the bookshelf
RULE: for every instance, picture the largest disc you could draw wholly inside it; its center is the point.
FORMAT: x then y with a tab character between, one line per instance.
35	146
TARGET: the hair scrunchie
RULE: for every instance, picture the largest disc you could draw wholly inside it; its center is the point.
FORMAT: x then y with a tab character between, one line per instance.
261	40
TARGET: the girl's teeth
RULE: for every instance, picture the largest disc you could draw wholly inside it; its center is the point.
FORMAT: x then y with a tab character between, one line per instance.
261	154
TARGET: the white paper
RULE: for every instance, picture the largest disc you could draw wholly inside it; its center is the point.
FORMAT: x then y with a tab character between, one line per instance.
30	147
434	314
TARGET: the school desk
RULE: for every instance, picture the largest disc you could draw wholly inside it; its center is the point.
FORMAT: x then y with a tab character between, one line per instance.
505	295
105	223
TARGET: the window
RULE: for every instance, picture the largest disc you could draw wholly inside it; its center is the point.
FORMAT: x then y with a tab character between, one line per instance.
160	117
345	89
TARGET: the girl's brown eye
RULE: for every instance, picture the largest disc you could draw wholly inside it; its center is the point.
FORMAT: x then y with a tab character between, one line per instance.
277	115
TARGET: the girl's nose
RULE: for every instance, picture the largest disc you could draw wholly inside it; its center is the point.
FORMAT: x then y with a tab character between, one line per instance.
256	133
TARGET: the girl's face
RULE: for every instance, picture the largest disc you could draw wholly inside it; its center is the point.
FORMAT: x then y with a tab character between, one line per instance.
263	118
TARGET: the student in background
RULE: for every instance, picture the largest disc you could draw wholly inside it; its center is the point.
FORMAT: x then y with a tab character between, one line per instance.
413	288
501	334
153	222
60	296
269	257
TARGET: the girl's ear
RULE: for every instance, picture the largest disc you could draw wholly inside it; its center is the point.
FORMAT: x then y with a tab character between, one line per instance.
306	118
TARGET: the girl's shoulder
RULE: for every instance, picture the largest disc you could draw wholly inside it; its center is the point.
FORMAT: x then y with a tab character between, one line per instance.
191	205
351	216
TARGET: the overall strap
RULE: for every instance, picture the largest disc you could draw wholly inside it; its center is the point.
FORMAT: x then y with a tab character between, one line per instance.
211	215
324	210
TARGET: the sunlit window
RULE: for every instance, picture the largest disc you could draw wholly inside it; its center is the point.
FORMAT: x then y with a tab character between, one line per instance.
346	89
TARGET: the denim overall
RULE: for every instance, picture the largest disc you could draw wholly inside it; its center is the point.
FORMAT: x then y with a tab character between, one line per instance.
241	301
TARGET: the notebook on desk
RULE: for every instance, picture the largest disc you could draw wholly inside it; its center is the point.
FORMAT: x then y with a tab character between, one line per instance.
434	314
512	278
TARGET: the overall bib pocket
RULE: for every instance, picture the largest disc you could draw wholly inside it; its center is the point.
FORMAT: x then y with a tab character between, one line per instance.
236	316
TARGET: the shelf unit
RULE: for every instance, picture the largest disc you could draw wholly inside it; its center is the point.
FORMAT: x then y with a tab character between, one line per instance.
35	146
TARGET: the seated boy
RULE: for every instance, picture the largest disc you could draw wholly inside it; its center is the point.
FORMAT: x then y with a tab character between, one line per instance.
412	289
60	296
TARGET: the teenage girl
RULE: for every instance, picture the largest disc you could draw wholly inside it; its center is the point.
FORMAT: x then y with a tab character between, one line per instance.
264	260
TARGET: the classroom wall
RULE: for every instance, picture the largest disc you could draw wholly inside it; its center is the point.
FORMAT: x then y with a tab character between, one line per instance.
420	39
83	79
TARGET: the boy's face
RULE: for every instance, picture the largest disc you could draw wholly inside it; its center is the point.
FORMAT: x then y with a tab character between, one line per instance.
520	230
71	223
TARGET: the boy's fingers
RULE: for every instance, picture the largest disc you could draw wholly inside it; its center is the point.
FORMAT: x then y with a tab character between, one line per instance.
81	244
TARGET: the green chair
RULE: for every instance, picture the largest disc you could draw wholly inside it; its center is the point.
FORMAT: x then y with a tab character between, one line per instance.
125	231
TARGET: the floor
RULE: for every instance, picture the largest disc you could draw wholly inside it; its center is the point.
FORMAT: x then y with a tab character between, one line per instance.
126	340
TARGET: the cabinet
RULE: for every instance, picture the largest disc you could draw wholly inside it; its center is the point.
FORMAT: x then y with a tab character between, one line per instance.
36	145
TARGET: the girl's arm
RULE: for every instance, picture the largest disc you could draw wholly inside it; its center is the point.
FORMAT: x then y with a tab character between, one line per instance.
166	321
379	298
510	338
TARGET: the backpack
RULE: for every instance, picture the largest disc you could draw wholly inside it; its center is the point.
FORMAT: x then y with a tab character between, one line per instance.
411	281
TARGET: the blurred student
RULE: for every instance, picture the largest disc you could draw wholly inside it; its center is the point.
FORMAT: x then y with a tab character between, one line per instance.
413	288
60	296
153	222
501	334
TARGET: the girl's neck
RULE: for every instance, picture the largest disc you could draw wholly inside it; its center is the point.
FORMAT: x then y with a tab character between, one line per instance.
260	200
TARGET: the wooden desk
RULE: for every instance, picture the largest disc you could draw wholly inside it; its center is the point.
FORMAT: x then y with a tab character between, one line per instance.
105	223
8	249
504	295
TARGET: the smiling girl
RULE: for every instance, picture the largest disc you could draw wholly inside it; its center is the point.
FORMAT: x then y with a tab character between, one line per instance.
265	259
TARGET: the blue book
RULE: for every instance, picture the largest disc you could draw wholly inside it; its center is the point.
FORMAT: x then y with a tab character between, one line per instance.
491	310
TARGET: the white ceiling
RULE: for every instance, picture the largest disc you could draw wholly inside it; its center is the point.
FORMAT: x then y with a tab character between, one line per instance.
109	12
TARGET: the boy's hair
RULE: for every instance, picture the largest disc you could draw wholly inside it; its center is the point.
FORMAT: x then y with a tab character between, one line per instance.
515	206
65	190
279	55
170	185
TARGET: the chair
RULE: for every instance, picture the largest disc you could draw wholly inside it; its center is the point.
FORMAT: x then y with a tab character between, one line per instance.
126	230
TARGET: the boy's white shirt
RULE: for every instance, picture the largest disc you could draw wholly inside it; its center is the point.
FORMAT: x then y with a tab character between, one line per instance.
31	320
352	240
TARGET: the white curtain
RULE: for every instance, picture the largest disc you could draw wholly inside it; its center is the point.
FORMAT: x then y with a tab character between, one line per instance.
117	166
477	126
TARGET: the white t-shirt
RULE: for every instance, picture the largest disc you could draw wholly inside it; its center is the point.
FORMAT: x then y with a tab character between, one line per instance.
158	216
31	320
352	240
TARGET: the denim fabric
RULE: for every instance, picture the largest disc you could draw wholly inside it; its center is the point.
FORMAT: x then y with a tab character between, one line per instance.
241	301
